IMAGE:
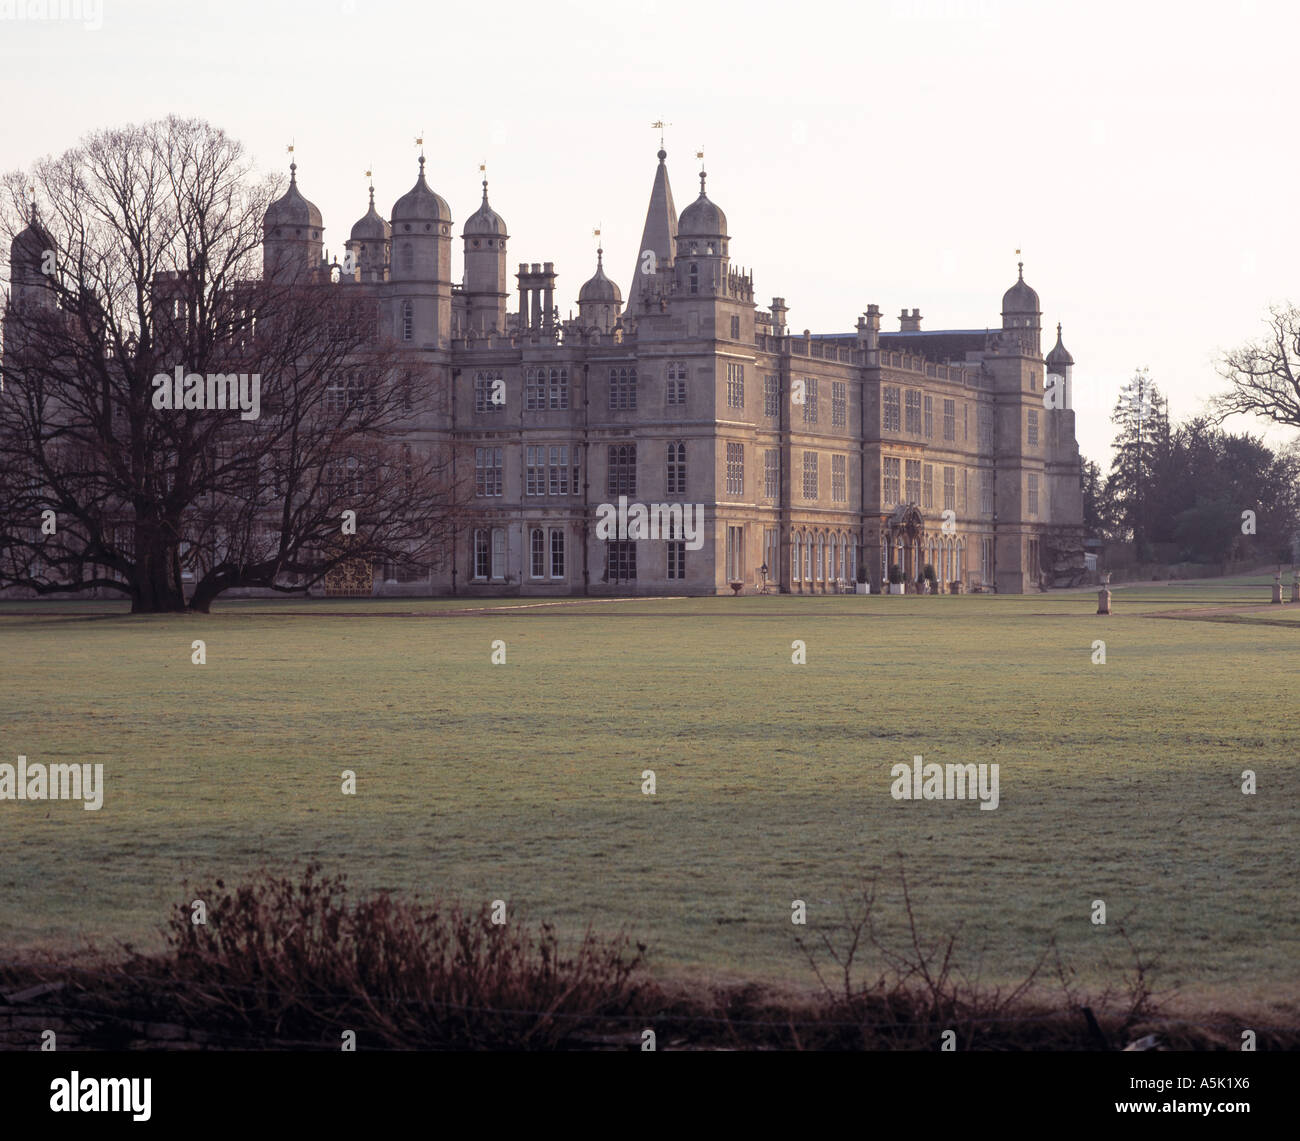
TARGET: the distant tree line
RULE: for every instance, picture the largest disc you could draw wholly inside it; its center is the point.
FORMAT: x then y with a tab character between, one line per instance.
1184	490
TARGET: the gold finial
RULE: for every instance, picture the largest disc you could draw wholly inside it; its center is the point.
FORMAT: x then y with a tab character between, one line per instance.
659	126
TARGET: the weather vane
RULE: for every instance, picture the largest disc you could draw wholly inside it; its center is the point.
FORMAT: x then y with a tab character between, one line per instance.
659	126
700	155
419	141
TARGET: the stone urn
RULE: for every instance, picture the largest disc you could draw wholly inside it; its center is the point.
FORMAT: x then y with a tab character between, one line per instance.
736	587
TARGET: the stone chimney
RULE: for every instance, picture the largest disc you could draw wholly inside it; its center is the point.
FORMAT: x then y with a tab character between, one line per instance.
869	328
909	324
779	311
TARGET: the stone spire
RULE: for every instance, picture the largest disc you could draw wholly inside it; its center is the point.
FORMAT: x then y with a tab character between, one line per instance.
659	236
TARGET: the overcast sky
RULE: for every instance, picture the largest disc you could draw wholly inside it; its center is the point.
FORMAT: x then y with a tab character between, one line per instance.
1141	155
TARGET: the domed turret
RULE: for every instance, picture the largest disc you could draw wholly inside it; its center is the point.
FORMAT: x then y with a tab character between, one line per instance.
599	299
485	220
1059	359
701	219
292	209
31	260
292	246
420	205
486	275
1021	314
369	243
420	266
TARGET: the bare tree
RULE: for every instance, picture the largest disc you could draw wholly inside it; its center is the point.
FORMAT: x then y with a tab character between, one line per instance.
1265	374
136	281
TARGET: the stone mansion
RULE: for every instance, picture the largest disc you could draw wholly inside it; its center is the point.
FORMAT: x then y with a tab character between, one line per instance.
809	454
794	459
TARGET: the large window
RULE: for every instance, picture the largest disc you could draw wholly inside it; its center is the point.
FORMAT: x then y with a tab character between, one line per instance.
676	560
950	489
1033	497
912	489
621	476
408	321
622	388
810	475
950	420
986	562
891	484
927	487
488	471
498	552
735	554
557	553
735	385
929	417
771	473
620	560
913	412
839	404
839	479
984	427
1032	431
810	400
546	387
485	388
736	469
537	552
489	553
986	491
676	469
676	383
891	420
796	558
547	470
771	397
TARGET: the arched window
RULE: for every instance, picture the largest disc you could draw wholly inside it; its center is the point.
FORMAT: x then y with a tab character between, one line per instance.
498	552
808	557
482	564
537	550
408	320
676	469
957	554
796	558
695	278
622	388
557	553
821	557
408	256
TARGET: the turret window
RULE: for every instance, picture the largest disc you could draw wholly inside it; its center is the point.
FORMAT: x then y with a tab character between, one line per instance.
408	321
694	278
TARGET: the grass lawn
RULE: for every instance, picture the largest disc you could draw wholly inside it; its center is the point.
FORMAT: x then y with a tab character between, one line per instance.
521	781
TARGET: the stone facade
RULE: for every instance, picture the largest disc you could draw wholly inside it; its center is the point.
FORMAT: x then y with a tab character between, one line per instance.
807	455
